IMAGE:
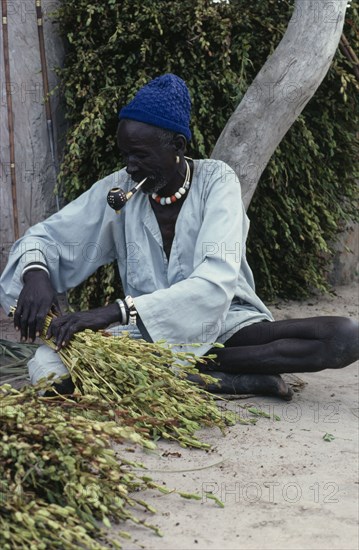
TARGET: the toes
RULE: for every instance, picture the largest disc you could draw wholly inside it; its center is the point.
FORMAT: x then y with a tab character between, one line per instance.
288	394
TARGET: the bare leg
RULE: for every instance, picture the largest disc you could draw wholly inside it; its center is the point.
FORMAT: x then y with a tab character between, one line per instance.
254	354
294	345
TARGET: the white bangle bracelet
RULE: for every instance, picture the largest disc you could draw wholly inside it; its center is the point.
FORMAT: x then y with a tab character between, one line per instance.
121	305
131	310
33	266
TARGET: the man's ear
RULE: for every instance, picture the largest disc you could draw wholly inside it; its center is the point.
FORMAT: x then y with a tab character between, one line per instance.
179	143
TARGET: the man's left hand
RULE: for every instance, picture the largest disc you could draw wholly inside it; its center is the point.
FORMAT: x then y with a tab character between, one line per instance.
64	327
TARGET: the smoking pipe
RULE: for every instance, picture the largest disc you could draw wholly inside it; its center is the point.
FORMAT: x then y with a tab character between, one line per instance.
117	197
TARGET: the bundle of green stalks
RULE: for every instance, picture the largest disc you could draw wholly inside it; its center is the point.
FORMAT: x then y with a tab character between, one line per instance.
60	479
61	482
143	380
13	360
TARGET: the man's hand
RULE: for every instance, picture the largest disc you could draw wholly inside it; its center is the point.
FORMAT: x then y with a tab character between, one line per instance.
35	301
64	327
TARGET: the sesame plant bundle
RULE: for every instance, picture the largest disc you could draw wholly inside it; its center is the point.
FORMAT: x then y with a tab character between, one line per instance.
60	477
13	360
143	380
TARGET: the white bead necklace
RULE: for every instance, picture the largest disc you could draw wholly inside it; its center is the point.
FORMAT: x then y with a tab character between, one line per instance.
179	194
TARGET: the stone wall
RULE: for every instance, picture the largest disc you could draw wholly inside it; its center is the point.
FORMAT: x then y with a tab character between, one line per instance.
35	173
345	266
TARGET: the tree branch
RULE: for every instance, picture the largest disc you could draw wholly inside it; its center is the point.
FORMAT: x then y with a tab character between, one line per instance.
349	53
281	90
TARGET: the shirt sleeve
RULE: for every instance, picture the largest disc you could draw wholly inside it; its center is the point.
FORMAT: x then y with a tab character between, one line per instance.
72	243
180	314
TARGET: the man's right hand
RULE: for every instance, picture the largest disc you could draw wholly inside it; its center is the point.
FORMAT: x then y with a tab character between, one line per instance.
35	301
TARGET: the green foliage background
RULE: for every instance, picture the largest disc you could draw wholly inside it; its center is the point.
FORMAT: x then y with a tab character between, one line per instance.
308	189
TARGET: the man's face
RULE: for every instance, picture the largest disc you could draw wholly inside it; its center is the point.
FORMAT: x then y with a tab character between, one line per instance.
145	156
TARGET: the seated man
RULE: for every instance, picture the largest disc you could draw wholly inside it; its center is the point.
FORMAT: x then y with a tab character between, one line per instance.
180	247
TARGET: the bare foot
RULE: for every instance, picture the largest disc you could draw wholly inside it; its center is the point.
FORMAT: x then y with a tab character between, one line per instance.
259	384
64	387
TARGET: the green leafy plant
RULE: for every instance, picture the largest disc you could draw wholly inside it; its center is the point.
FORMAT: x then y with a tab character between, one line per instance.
143	380
328	437
308	191
62	483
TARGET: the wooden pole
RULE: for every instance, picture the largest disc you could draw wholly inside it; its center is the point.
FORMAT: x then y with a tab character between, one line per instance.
45	81
10	116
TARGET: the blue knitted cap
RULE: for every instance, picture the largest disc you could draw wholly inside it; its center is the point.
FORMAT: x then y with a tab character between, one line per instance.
163	102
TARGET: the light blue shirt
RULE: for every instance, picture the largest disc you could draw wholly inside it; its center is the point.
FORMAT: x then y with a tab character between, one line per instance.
202	294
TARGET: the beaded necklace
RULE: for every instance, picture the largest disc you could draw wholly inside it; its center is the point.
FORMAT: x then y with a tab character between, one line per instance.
179	194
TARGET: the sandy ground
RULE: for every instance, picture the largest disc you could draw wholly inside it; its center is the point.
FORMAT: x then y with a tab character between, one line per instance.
283	486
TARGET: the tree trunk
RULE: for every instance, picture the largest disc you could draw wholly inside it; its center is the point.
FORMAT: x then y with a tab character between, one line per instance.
281	90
